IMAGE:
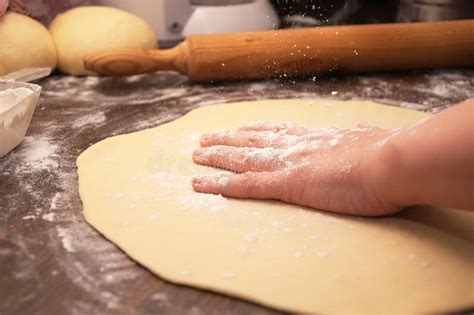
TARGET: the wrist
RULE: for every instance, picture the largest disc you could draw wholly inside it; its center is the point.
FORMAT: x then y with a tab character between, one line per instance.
393	182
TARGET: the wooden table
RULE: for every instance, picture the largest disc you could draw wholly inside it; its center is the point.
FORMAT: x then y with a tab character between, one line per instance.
52	262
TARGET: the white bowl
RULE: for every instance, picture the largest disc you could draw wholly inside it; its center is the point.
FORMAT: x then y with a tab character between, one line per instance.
15	117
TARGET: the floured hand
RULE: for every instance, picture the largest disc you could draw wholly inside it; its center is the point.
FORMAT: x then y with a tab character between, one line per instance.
328	168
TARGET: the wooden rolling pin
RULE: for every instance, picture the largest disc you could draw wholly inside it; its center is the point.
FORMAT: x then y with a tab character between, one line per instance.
301	52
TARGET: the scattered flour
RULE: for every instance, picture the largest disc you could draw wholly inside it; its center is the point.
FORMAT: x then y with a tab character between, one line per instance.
277	224
250	237
54	202
48	216
39	154
161	176
267	154
298	254
328	105
160	297
244	249
190	137
322	254
228	275
118	195
185	273
346	169
90	119
333	142
222	181
154	217
208	202
66	239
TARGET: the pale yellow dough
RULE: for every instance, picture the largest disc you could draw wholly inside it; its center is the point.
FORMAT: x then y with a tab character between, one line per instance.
84	30
24	42
136	191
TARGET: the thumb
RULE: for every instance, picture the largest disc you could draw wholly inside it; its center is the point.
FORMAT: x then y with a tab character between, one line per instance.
261	185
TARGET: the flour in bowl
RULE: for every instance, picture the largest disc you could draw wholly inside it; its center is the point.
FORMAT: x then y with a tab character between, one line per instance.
11	97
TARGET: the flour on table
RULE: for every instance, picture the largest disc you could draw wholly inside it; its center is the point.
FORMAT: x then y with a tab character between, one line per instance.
160	297
66	239
38	154
54	202
48	216
92	120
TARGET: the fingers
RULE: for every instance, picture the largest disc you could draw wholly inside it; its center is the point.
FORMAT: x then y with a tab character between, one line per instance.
264	185
248	139
366	126
240	159
363	125
282	127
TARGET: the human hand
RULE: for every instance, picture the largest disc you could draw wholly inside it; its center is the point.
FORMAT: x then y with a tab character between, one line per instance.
327	168
3	6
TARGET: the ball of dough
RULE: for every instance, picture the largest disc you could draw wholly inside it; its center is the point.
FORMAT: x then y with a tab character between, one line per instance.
84	30
24	42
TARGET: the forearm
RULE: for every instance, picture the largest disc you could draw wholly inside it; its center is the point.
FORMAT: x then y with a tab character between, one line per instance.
432	162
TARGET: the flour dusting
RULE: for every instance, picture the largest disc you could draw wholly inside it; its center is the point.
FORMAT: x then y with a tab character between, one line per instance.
93	120
66	239
48	216
54	202
207	202
160	297
39	154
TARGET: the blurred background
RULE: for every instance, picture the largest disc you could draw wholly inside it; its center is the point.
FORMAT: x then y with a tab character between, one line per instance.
172	20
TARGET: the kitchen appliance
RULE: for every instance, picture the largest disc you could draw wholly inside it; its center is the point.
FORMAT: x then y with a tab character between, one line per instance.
301	52
434	10
172	20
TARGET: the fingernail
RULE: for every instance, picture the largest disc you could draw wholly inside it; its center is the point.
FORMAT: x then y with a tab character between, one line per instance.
204	138
197	184
197	155
196	181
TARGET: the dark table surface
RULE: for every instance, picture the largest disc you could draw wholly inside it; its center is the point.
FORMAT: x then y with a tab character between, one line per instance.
52	262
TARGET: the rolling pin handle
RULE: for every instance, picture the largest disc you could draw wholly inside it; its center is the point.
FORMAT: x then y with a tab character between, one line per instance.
129	61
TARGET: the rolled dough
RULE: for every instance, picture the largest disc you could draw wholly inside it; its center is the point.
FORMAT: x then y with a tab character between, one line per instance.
136	191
